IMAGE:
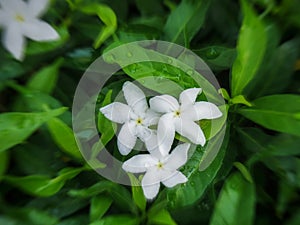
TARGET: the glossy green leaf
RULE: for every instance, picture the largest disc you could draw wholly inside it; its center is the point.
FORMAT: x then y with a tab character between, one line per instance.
217	57
161	217
99	206
117	219
107	16
16	127
276	112
63	136
42	186
45	79
198	181
236	202
250	50
185	21
239	99
137	193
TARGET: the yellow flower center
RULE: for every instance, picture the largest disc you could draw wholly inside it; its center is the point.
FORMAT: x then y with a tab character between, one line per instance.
159	165
139	121
177	113
19	18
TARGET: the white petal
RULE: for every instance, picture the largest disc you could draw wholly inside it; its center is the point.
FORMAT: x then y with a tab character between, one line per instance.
4	17
174	179
37	7
151	118
13	5
165	133
178	157
127	138
117	112
188	96
150	184
164	104
14	41
152	146
205	110
135	98
138	163
190	130
143	132
39	30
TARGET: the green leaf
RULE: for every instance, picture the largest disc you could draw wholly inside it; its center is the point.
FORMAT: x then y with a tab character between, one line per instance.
240	99
107	16
27	216
137	192
4	160
45	79
198	181
117	219
276	112
119	193
161	217
236	202
217	57
16	127
42	186
250	50
99	206
63	136
244	171
185	21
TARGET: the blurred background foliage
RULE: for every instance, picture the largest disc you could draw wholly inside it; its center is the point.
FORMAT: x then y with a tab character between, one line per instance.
252	46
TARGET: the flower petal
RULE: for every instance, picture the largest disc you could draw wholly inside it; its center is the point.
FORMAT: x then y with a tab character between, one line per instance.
188	96
138	163
127	138
13	5
164	104
176	178
178	157
165	133
152	146
150	184
190	130
151	118
135	98
202	110
143	132
14	41
116	112
37	7
39	30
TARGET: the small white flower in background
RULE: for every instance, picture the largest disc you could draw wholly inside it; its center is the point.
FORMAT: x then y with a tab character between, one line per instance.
159	168
136	117
181	116
20	20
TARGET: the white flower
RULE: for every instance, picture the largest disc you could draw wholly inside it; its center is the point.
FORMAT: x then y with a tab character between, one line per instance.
136	117
181	116
159	168
20	20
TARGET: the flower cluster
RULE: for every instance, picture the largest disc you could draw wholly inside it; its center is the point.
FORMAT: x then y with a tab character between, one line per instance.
169	116
19	20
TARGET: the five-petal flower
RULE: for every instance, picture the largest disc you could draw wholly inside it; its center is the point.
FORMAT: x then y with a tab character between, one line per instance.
136	117
20	20
159	168
181	116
